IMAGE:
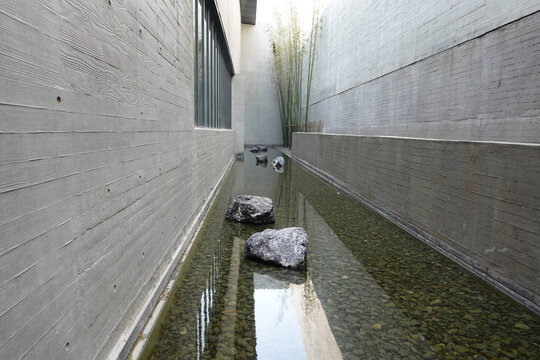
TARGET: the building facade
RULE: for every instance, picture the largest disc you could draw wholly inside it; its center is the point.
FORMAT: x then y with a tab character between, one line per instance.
106	165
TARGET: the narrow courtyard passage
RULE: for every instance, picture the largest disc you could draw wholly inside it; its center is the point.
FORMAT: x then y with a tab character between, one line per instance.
371	290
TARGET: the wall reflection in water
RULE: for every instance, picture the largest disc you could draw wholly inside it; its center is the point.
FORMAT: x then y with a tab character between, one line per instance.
290	321
207	303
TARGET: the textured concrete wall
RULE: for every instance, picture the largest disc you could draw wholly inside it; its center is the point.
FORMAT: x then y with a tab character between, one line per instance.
451	70
477	201
101	168
261	108
448	70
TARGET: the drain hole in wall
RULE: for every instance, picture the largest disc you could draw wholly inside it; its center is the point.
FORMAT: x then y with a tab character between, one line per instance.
140	32
67	346
139	176
110	3
58	99
143	255
114	288
108	191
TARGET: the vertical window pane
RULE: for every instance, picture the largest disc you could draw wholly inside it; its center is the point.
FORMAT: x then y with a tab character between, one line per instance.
207	73
199	55
212	77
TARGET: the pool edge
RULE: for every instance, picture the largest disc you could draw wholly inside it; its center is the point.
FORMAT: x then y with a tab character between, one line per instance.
496	280
132	342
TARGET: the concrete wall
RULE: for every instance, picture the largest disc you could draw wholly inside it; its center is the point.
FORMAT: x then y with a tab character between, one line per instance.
238	112
475	201
449	70
229	11
465	72
261	109
102	172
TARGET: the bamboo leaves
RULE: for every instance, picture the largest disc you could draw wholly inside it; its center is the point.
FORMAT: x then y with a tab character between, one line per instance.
288	43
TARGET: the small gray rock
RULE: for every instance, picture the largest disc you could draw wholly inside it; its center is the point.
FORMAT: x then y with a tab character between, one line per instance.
278	162
254	149
286	247
251	209
239	156
261	158
262	148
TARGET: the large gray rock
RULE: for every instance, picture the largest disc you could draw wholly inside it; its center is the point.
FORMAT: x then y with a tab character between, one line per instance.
278	169
286	247
251	209
278	162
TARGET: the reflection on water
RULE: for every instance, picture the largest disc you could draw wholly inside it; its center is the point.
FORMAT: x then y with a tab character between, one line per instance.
291	315
317	336
371	291
275	320
206	305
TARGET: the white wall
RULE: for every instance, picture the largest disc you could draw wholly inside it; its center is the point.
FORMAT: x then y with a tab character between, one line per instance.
238	112
101	168
261	108
230	16
231	19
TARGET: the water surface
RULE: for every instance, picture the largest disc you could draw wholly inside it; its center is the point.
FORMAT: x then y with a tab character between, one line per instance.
371	290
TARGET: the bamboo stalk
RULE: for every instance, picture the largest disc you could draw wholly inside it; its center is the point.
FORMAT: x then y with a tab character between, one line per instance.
288	48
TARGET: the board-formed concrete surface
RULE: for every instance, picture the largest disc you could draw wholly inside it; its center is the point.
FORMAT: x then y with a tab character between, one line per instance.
475	201
102	171
446	70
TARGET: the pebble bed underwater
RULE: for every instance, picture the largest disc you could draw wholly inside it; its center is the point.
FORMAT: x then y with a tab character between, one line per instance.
370	290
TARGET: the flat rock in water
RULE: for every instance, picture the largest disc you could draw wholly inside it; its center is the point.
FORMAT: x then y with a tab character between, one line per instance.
286	247
254	149
263	148
251	209
261	158
239	156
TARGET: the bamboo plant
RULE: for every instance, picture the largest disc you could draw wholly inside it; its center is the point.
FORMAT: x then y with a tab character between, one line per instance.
289	43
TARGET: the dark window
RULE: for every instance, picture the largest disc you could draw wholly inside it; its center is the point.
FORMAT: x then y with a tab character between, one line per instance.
212	70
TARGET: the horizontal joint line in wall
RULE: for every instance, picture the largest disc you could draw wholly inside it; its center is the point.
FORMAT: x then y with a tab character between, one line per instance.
424	59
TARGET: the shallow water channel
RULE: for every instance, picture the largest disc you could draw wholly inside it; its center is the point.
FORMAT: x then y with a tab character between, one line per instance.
371	290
